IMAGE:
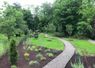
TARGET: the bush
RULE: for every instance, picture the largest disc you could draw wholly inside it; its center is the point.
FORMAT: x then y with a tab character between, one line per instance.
69	29
78	65
26	56
13	53
58	34
80	36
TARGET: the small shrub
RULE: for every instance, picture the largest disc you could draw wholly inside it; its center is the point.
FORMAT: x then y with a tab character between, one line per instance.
37	50
46	36
58	34
47	50
50	54
33	47
69	29
41	57
26	56
13	66
77	65
33	62
13	53
55	51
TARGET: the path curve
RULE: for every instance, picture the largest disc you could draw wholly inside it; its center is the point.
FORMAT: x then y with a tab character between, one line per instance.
61	60
92	41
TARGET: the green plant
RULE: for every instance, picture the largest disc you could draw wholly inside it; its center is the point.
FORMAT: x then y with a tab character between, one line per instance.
77	65
50	54
13	66
33	62
69	29
26	56
13	53
40	56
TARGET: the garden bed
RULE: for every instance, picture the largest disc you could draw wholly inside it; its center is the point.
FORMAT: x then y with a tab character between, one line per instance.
35	56
78	61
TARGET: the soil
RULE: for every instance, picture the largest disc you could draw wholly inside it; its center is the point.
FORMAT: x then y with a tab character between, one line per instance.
88	61
22	63
4	62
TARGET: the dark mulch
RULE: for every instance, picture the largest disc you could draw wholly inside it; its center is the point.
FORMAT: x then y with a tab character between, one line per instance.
22	63
88	61
4	62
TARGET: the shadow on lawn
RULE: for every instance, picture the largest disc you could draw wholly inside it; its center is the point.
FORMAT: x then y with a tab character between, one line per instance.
88	61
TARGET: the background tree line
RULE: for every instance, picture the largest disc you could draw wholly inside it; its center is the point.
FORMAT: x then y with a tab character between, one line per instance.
68	18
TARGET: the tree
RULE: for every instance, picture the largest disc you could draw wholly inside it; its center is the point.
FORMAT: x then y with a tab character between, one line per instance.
28	17
12	21
84	28
69	29
66	12
45	15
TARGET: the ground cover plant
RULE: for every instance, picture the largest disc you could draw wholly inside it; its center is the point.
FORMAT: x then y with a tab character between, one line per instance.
78	61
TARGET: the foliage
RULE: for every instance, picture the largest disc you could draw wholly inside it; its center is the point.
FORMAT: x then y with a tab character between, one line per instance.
50	54
12	21
69	29
4	44
13	53
33	62
26	56
67	17
13	66
77	65
84	28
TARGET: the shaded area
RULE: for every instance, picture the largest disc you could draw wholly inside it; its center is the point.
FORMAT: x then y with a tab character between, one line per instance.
88	61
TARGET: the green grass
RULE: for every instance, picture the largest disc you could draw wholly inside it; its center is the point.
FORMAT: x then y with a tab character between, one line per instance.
55	43
83	46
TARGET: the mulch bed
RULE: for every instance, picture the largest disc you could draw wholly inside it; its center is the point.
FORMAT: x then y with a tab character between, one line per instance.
4	62
22	63
88	61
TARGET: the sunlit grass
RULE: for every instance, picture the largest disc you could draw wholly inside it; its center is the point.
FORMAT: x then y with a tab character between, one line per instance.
48	42
83	46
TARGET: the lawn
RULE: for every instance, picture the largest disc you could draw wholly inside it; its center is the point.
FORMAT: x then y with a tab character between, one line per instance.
48	42
83	46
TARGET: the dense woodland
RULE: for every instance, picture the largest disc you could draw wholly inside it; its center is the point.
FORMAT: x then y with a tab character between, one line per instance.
68	18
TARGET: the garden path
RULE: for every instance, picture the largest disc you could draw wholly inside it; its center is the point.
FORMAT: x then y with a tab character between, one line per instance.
92	41
61	60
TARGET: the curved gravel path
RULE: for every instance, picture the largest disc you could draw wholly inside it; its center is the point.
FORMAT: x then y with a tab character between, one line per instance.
61	60
92	41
